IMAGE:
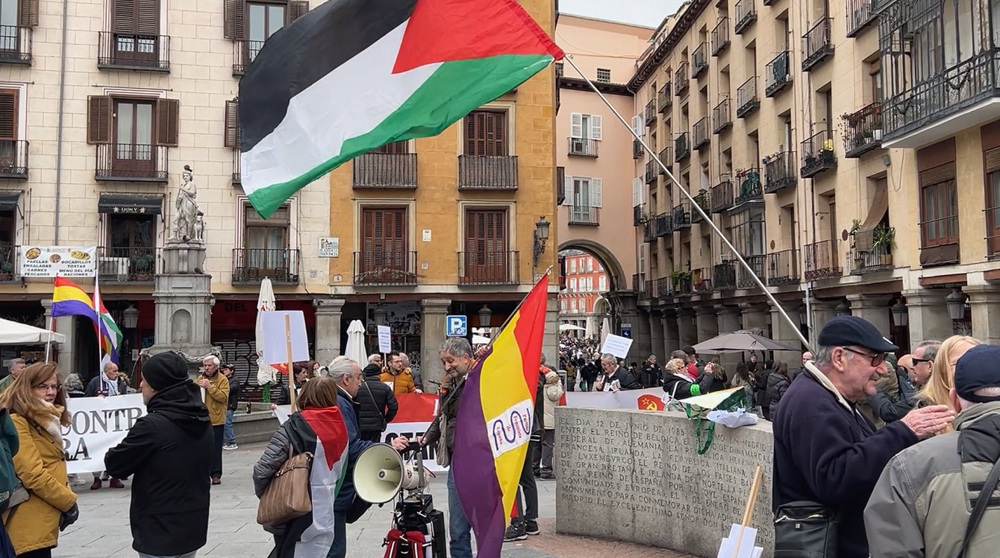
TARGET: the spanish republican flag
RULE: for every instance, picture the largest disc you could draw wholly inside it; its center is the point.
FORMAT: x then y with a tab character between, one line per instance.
68	299
495	416
353	75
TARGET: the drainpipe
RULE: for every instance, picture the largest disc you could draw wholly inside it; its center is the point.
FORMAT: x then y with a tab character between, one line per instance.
62	111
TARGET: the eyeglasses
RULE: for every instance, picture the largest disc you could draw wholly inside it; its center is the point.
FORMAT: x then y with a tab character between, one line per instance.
48	387
876	359
917	361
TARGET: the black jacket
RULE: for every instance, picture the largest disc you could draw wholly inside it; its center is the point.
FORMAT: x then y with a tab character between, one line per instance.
626	380
448	407
828	452
889	408
680	386
234	394
376	406
776	386
348	411
170	453
95	387
371	370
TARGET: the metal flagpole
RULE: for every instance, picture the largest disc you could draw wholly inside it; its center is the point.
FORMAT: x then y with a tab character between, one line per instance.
100	340
694	204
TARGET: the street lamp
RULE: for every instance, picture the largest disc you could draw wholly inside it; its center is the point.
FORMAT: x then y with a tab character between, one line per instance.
379	315
843	309
541	236
485	315
900	316
956	304
130	317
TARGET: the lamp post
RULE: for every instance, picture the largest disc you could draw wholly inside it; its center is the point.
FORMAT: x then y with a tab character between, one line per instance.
130	321
485	316
541	235
956	304
843	309
900	316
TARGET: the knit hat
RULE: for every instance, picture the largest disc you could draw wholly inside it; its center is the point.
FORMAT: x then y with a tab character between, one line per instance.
165	370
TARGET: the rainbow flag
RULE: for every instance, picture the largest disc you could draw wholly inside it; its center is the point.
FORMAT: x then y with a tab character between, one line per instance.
68	299
495	416
108	332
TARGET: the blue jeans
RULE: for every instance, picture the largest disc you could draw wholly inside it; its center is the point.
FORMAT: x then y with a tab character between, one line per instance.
339	548
458	525
229	436
188	555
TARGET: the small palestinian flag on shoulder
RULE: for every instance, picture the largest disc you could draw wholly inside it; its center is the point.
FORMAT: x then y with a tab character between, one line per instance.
353	75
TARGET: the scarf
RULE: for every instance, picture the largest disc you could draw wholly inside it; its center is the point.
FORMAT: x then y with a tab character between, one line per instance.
110	385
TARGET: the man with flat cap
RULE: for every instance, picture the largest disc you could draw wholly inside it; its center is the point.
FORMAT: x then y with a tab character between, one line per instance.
826	453
170	453
921	503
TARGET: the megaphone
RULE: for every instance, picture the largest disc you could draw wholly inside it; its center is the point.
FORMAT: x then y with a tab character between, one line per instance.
379	474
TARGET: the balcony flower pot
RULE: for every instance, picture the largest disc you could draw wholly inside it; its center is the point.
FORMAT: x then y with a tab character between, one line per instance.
142	266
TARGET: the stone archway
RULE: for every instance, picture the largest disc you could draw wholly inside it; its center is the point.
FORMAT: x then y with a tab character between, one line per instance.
616	275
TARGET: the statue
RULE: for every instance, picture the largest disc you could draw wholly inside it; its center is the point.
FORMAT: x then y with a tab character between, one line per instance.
199	226
186	222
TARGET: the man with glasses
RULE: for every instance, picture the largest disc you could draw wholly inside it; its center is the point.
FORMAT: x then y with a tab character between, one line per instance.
923	362
825	451
894	394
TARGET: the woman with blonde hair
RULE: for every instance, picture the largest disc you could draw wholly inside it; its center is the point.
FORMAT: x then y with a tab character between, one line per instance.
37	404
943	372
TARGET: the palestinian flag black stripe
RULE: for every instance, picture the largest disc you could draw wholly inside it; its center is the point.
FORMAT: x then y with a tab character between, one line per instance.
353	75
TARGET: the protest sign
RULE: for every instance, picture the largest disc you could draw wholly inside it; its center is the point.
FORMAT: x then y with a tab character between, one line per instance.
644	399
617	345
97	424
384	339
275	337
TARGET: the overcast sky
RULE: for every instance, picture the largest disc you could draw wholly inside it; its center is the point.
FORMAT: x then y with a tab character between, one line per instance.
640	12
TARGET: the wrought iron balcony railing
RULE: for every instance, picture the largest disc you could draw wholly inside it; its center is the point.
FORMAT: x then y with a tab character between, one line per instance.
583	147
243	54
681	78
699	60
748	187
639	216
861	262
487	172
744	280
488	268
820	261
681	215
664	287
664	99
777	74
783	268
746	14
373	268
724	275
14	159
859	14
385	170
131	162
637	149
252	265
703	200
701	133
664	224
15	44
584	215
747	100
666	157
863	130
650	112
936	233
720	117
127	264
682	147
720	36
722	194
816	45
779	171
701	280
130	51
818	154
652	170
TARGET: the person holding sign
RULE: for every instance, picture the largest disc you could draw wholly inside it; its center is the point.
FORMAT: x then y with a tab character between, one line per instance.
615	378
398	376
216	388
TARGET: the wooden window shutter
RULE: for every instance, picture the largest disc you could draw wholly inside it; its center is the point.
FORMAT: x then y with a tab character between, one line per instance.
167	122
99	112
27	13
992	159
124	12
938	174
148	17
8	114
235	19
233	123
297	9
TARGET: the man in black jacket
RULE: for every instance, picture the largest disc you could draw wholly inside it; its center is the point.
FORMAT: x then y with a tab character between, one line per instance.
170	452
614	377
377	405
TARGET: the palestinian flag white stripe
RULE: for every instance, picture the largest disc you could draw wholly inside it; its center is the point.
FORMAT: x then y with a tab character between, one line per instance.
329	467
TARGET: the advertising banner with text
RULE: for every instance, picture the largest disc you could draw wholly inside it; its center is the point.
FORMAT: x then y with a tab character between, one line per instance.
64	261
97	425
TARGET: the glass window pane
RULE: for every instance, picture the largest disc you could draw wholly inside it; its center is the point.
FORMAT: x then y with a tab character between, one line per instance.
257	20
8	15
125	120
144	124
275	19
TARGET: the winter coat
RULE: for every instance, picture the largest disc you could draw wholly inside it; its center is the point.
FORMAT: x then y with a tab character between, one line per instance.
826	451
553	392
889	407
776	386
449	408
216	397
41	466
401	383
234	395
377	404
349	412
371	371
680	386
170	453
626	380
95	387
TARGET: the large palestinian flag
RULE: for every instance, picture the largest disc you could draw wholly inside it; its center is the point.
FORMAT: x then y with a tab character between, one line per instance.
353	75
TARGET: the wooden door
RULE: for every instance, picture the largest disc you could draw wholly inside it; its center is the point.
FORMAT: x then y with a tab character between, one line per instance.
487	259
384	255
134	153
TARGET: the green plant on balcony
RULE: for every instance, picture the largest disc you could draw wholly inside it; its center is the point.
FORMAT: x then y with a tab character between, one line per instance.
884	238
6	265
142	264
678	278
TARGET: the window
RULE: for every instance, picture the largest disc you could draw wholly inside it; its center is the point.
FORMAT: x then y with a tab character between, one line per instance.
602	283
993	212
254	22
590	265
586	197
384	253
559	69
939	213
134	130
572	305
486	133
585	126
603	75
394	148
563	304
487	259
9	161
590	284
572	265
233	138
572	287
136	25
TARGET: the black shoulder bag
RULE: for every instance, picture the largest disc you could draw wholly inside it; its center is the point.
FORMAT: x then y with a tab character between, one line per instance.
980	508
378	407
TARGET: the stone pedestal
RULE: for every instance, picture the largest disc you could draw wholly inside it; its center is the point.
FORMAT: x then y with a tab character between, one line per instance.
329	312
432	334
782	332
874	308
686	329
985	305
928	315
671	337
183	296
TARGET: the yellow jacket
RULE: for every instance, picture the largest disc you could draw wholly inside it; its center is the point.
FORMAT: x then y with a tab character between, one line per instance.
216	397
40	465
401	383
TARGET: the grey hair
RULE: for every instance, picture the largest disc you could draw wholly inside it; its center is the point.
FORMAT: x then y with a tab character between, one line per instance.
678	354
106	365
342	367
214	359
457	346
930	350
372	359
609	358
404	358
14	361
927	343
823	355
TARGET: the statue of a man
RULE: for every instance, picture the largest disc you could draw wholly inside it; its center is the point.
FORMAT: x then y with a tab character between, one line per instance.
185	224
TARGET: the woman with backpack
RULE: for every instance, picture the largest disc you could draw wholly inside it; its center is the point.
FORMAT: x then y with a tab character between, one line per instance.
777	383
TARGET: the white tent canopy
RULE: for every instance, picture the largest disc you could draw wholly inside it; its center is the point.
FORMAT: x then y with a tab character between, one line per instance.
570	327
14	333
480	340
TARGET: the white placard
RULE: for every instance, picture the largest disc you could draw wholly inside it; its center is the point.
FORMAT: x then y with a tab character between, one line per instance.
384	339
75	261
617	345
329	247
273	329
427	235
97	425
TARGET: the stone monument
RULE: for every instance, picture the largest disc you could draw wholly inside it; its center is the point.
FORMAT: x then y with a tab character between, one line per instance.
183	291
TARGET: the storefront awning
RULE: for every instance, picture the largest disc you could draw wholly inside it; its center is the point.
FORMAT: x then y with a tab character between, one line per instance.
8	200
134	204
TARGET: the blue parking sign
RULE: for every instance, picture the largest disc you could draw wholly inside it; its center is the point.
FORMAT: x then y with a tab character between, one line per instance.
456	326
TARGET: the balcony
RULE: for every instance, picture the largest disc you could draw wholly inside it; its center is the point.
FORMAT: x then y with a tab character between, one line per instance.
652	170
701	133
252	265
777	74
488	268
647	290
862	262
126	51
647	231
779	172
584	215
382	268
821	261
703	200
818	154
243	54
637	149
651	113
15	44
701	280
724	276
583	147
748	186
816	45
664	287
8	262
682	147
681	216
859	14
487	172
720	117
666	157
385	170
720	36
664	100
747	100
746	14
131	163
699	60
664	225
683	283
237	173
722	194
14	159
126	264
560	185
744	280
639	216
862	130
681	79
783	268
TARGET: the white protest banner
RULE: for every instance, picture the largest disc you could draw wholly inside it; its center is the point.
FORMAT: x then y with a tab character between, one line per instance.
644	399
274	336
97	425
281	412
617	345
384	339
64	261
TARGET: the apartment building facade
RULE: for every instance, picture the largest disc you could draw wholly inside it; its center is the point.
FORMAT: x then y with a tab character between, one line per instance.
582	303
